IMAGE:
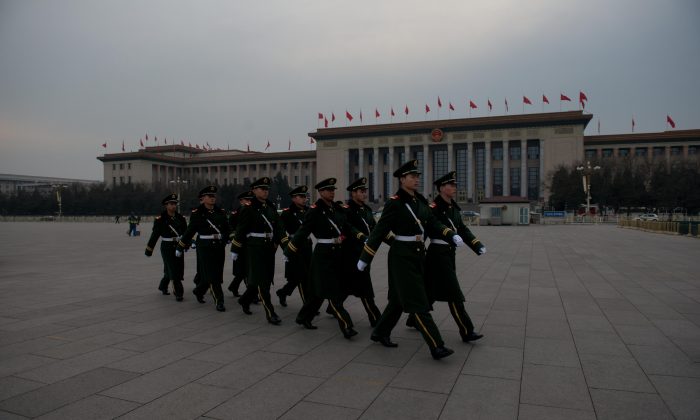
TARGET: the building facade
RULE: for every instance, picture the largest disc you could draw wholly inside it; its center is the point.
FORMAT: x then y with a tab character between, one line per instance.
666	145
11	184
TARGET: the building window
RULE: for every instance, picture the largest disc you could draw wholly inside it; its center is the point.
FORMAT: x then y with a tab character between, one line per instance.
121	166
418	155
462	168
263	167
533	183
114	166
370	181
296	179
676	150
497	151
129	179
284	166
658	151
306	180
273	166
235	181
692	150
515	151
304	165
370	158
607	153
402	158
515	181
121	180
591	154
439	163
385	158
356	156
387	185
497	181
480	170
128	166
495	212
295	165
252	167
533	149
114	181
624	152
640	151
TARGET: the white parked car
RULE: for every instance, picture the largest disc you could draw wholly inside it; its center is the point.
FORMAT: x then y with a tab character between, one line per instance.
648	217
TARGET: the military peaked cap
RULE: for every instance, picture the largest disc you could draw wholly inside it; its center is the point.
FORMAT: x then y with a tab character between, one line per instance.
245	195
410	167
170	198
357	185
326	184
449	178
300	190
210	190
263	183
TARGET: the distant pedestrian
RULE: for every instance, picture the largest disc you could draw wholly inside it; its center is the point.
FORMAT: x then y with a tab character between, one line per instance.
116	219
133	222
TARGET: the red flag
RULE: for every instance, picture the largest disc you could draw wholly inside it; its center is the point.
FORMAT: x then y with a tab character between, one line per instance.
598	126
452	108
670	121
125	150
182	142
311	140
325	122
268	145
332	117
196	146
582	97
439	103
155	139
320	116
104	145
544	99
146	136
141	141
290	145
376	113
189	144
526	100
563	97
348	115
633	124
506	105
248	144
392	112
472	105
427	108
491	105
405	110
165	140
360	115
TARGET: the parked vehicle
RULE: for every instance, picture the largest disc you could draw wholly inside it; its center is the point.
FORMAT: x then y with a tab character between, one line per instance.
648	217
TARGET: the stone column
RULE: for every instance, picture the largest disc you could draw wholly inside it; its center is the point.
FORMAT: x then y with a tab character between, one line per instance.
523	168
487	170
506	169
346	166
392	188
470	171
450	157
377	173
541	183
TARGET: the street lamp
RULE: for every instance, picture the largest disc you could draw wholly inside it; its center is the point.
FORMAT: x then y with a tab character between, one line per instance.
177	183
586	172
58	188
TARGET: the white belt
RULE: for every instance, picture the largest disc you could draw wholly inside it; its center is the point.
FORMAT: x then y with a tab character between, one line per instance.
164	239
329	241
414	238
214	236
267	235
438	241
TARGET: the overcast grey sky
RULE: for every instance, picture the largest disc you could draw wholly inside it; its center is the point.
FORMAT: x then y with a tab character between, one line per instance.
75	74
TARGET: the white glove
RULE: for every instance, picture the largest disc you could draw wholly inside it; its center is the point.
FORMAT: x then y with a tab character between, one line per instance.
361	265
482	250
178	253
234	256
193	246
458	240
285	259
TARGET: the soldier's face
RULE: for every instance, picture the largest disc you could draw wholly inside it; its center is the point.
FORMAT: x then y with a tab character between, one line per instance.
450	190
299	200
328	195
359	195
261	193
170	207
411	182
209	199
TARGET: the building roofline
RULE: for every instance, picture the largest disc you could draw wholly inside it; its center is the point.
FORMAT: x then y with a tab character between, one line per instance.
457	124
655	137
211	157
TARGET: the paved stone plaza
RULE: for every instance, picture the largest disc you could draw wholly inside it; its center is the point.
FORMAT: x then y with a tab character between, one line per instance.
580	322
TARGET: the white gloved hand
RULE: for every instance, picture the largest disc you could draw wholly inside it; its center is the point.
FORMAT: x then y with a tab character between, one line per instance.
193	246
285	259
178	253
458	240
361	265
482	250
234	256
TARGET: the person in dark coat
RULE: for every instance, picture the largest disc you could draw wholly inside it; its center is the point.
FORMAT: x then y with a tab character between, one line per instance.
168	227
408	215
296	271
238	267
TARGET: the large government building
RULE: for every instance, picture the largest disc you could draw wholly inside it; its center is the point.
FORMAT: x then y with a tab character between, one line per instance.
500	156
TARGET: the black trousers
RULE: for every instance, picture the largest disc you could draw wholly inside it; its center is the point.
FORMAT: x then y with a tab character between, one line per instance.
211	271
261	293
461	317
424	322
314	303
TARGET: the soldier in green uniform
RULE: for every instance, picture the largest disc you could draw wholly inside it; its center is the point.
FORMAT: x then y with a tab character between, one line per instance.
238	269
360	217
326	220
260	231
210	224
440	271
407	214
296	270
168	227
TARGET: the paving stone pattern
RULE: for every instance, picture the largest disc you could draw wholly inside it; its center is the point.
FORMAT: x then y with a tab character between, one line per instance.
580	322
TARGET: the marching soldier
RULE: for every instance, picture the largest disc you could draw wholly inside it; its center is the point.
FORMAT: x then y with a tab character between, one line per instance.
360	217
168	227
408	216
209	223
440	271
260	231
327	221
238	269
297	269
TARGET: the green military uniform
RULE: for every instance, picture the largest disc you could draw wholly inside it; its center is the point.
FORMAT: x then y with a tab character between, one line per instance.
238	267
328	224
296	270
409	217
212	230
359	282
440	270
259	231
169	228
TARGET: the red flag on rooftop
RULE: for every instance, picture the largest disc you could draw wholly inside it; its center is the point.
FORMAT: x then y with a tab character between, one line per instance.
405	110
472	105
189	144
320	116
311	140
123	150
268	145
332	117
392	112
155	139
248	144
376	113
196	146
427	108
563	97
506	104
670	121
544	99
290	145
633	123
526	100
452	108
146	136
104	145
491	105
439	103
582	96
360	115
348	115
165	140
182	142
141	141
325	122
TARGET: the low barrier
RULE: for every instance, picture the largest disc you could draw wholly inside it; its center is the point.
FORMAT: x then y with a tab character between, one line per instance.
677	228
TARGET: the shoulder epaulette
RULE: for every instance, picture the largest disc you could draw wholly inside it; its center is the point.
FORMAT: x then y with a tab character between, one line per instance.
285	209
394	197
246	204
313	206
433	204
345	206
